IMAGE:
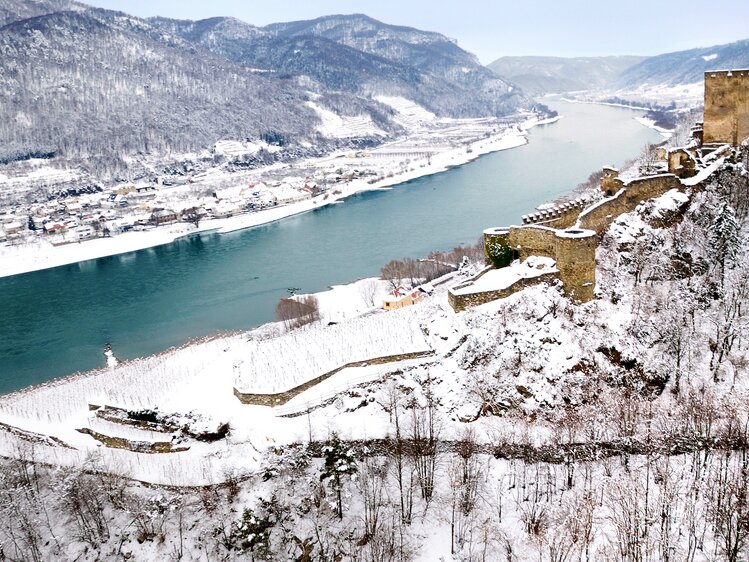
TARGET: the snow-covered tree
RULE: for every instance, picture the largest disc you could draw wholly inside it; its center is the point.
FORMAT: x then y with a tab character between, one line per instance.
339	462
252	534
724	238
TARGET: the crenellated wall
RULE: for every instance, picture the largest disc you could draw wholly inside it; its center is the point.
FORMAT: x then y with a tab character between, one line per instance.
726	107
560	216
573	249
549	233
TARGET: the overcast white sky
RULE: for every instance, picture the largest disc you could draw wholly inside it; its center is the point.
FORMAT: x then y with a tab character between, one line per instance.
492	29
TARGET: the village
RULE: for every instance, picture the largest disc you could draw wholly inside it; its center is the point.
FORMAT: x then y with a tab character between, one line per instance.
145	205
69	206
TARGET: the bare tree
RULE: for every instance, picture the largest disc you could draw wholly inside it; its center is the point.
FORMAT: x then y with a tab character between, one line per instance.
465	475
728	500
368	291
298	311
86	502
729	320
425	431
404	471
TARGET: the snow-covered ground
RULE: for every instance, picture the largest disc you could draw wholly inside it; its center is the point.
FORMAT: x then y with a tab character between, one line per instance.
196	382
665	133
539	331
336	126
683	95
282	363
584	430
500	279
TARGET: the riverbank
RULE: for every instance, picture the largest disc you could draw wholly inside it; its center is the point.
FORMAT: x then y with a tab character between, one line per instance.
145	302
25	258
650	123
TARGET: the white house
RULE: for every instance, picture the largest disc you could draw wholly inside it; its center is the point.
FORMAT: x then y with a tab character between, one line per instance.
84	232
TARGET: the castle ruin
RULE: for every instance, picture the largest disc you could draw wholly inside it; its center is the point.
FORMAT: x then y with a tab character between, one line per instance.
569	233
726	107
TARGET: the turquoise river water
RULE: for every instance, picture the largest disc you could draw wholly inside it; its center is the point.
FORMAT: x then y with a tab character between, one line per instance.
55	322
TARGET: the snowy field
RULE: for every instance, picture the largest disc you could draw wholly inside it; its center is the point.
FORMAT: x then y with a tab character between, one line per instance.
282	363
683	95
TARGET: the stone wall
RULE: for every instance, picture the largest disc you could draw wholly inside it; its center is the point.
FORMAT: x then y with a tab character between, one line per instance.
574	250
134	446
600	216
610	182
533	240
461	302
726	107
681	163
280	398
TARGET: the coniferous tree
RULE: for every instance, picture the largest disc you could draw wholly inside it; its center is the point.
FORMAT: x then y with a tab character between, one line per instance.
339	462
724	238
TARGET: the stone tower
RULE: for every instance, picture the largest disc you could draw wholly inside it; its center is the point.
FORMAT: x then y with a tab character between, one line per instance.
726	107
576	260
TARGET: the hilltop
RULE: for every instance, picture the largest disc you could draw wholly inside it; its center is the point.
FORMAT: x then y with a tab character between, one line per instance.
106	91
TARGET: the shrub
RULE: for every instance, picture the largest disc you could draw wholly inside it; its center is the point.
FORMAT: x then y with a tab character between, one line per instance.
499	254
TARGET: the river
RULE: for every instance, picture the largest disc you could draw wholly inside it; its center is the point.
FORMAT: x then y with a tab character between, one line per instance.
55	322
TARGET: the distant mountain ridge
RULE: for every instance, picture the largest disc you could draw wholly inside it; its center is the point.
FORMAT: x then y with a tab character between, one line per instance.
16	10
542	75
358	54
101	85
685	67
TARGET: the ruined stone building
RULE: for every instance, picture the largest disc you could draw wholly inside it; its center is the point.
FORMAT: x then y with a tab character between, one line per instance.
726	107
568	234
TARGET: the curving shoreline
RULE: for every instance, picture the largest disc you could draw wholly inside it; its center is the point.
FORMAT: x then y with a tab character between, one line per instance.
16	260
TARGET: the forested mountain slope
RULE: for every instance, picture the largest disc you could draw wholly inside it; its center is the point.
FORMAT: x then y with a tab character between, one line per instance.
685	67
359	54
99	83
15	10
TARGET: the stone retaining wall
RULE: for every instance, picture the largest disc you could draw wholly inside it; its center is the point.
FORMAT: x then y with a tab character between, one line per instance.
461	302
281	398
134	446
600	216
